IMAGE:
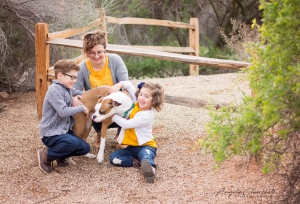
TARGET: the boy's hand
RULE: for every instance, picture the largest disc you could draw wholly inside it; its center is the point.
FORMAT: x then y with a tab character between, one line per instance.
86	111
76	102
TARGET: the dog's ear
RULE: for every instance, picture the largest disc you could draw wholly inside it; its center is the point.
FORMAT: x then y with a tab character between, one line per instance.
116	103
100	98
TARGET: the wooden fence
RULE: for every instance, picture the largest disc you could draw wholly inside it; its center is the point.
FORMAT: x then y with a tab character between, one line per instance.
43	39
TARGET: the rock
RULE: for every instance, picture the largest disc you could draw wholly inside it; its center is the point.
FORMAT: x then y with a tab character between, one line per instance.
3	95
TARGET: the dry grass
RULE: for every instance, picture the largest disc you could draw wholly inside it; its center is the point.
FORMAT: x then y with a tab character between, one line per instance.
183	174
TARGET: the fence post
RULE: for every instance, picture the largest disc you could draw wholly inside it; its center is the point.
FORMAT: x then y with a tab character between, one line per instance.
194	43
42	64
103	24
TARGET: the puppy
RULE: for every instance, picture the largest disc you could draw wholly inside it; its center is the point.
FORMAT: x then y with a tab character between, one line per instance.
116	103
82	123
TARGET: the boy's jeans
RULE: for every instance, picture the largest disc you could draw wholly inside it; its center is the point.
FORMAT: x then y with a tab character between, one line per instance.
123	157
65	145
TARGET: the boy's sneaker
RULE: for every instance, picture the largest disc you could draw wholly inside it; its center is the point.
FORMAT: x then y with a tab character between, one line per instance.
44	161
148	171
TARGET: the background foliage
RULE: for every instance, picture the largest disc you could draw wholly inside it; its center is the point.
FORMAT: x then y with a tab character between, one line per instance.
17	39
18	19
266	125
212	15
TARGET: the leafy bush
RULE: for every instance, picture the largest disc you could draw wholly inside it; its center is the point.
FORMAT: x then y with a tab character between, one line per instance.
142	67
273	78
236	42
267	124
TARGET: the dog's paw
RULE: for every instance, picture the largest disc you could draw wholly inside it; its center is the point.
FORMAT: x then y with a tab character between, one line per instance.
89	155
100	157
71	161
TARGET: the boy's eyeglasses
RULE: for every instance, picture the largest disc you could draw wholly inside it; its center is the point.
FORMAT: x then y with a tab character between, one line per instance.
72	76
93	54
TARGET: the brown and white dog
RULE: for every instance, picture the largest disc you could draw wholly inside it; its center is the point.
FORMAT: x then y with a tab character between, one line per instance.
115	103
82	123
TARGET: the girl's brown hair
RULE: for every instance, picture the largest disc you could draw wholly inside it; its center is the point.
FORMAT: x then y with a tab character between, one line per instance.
157	93
92	39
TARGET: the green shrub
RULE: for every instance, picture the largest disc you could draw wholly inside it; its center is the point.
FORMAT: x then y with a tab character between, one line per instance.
266	124
142	67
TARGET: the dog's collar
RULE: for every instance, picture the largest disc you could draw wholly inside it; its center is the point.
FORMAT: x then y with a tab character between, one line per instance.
126	113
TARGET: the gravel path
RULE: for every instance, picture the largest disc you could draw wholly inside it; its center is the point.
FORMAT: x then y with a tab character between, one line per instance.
183	174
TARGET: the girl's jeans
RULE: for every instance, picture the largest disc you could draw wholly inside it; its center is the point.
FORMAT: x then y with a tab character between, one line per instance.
65	145
123	157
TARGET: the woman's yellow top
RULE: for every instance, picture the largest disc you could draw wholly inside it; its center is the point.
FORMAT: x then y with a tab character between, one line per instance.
102	77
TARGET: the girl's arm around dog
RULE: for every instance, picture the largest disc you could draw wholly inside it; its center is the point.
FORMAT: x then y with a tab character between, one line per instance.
141	119
128	86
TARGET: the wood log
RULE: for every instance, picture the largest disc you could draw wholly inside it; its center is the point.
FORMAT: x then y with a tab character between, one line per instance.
191	102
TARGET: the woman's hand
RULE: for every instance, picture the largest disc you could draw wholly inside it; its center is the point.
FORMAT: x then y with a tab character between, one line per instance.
75	101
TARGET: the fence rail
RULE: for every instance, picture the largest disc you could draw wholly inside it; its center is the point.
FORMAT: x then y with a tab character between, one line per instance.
145	21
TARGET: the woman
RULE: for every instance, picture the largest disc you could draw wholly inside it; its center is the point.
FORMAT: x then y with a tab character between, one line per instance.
100	68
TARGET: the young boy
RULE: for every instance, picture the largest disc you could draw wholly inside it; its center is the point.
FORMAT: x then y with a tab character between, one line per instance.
57	119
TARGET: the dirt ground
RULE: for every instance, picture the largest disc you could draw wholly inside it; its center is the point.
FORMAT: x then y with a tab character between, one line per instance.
184	175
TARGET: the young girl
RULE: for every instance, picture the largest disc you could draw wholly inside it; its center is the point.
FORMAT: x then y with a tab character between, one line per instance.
136	137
